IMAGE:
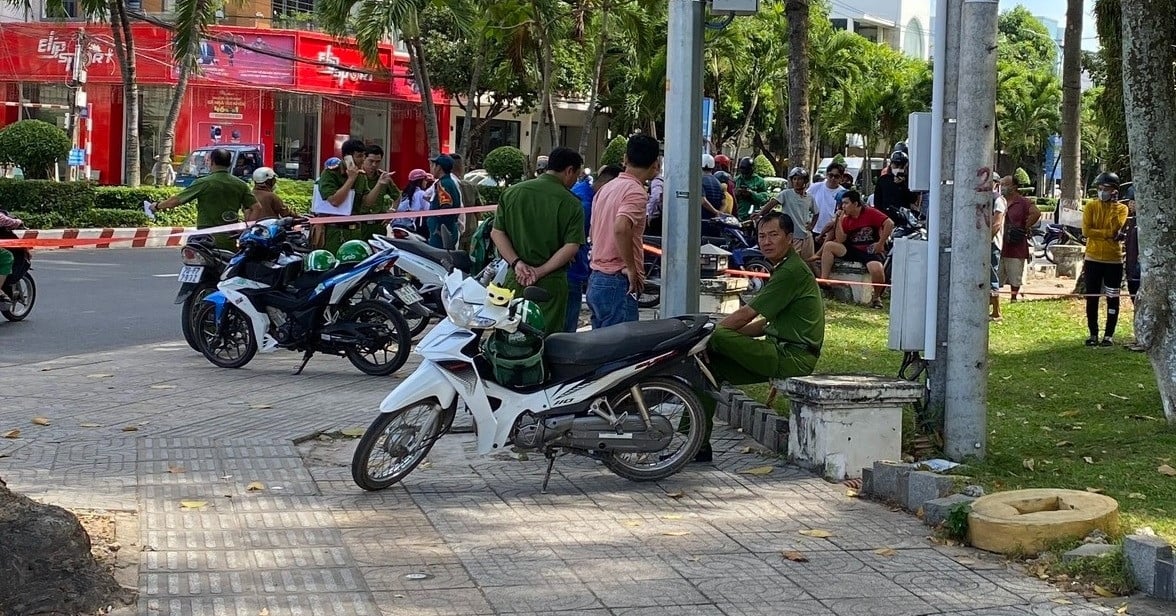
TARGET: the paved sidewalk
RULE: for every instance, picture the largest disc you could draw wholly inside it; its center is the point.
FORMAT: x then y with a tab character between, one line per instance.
708	541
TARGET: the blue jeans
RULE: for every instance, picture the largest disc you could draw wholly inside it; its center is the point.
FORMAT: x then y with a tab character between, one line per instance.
575	301
435	238
609	300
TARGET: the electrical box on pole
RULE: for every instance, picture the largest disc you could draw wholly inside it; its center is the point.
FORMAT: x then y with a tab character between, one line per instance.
919	144
735	7
908	295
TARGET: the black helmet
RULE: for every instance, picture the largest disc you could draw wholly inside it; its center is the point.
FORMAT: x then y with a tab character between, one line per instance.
899	158
746	163
1107	178
901	146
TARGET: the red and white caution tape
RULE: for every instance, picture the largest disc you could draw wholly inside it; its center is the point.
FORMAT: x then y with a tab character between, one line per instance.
342	220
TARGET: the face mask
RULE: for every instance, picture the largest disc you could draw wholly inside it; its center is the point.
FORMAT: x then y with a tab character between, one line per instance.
1106	195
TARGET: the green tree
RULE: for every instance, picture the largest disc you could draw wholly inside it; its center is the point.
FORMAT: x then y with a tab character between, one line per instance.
1024	40
799	118
614	152
1028	113
1110	109
507	164
33	145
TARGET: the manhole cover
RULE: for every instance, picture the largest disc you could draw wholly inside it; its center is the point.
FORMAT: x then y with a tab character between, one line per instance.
416	577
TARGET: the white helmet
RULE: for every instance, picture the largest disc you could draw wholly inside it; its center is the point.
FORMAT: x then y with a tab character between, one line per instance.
708	161
261	175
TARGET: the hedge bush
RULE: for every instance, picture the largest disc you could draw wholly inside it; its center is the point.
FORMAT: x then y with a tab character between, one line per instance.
183	216
763	166
614	152
506	163
127	198
33	145
102	217
66	199
41	220
490	194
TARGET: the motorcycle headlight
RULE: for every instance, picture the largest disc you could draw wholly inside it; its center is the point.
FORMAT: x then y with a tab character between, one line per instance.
466	315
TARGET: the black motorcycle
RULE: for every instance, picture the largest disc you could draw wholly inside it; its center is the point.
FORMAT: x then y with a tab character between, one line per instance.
1061	235
19	285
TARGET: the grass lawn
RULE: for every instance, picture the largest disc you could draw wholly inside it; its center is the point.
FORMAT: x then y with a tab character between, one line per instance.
1086	417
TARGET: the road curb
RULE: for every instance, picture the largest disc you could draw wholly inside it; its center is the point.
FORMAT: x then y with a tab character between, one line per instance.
120	237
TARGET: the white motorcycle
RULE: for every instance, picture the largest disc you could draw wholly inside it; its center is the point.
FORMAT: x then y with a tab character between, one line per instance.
427	267
623	394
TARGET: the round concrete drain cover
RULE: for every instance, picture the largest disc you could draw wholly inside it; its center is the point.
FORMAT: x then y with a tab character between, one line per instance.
416	577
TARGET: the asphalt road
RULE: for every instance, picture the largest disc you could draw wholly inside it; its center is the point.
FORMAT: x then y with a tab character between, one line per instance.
96	300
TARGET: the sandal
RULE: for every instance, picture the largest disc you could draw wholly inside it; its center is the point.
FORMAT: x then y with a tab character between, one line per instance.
877	303
1092	341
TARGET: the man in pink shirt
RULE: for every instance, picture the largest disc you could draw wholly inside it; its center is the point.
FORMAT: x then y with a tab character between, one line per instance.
618	222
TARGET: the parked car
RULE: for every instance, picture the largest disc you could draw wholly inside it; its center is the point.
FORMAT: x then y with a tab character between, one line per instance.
246	158
480	177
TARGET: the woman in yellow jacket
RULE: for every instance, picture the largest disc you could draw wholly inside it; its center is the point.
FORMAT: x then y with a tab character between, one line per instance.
1102	223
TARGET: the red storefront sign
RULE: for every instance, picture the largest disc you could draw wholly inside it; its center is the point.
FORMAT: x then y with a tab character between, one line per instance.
336	68
246	58
45	52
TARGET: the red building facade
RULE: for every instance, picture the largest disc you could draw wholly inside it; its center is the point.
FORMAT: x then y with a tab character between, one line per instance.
298	94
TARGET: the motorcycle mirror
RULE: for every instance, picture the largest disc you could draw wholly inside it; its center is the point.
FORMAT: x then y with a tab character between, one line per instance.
536	294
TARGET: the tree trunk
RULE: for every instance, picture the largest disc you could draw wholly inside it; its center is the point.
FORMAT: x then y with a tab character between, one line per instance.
1072	103
799	131
472	100
416	59
47	566
594	91
1148	56
867	170
124	46
168	141
747	121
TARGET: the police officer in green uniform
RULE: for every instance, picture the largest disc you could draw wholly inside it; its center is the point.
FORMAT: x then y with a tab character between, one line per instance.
353	174
538	229
220	197
779	334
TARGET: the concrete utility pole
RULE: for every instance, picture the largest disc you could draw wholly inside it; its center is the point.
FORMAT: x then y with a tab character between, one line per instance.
944	112
965	418
682	200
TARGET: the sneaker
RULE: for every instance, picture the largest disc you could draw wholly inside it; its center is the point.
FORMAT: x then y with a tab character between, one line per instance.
1092	341
5	302
704	455
877	303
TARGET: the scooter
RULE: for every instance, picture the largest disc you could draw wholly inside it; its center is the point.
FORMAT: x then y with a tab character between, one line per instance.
1061	235
622	394
19	285
426	268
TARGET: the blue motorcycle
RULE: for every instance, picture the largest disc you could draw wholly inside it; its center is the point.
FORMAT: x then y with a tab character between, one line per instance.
266	301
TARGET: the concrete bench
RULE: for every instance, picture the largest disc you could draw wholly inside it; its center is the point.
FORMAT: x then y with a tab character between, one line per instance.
840	424
849	271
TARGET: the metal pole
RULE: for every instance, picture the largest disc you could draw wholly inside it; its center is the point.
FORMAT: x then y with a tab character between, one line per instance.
965	425
682	209
939	219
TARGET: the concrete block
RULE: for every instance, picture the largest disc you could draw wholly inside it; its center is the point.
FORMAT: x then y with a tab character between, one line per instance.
776	431
936	511
723	404
886	480
737	401
1165	587
1143	555
923	486
867	481
1090	550
747	414
765	426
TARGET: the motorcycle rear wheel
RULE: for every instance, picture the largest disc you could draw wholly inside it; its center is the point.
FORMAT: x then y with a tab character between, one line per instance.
188	315
387	359
691	422
23	293
651	294
229	346
400	440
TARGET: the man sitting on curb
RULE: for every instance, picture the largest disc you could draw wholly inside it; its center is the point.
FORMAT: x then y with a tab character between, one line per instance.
776	336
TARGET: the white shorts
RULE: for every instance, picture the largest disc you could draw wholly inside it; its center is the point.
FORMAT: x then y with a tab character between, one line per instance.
1011	272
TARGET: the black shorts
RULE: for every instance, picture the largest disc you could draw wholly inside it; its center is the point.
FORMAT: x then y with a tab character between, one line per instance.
858	255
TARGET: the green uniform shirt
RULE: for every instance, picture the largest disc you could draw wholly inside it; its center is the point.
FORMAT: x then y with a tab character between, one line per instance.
792	304
759	195
216	195
329	182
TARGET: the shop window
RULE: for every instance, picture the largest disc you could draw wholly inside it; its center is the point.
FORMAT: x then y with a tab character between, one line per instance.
294	14
369	121
66	10
296	134
153	106
495	134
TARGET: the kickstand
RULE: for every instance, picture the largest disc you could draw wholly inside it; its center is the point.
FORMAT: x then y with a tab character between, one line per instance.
305	360
550	453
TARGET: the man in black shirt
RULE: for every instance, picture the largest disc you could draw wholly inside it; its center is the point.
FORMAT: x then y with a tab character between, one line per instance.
892	191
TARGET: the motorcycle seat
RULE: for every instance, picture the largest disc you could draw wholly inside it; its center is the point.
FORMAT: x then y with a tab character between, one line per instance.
310	280
600	346
455	258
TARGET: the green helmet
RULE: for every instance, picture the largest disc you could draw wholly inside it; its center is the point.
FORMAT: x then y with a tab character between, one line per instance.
319	261
353	251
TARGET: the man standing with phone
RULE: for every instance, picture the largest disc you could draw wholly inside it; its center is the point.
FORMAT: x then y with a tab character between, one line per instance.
618	222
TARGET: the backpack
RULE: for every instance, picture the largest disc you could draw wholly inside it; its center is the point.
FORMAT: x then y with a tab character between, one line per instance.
482	250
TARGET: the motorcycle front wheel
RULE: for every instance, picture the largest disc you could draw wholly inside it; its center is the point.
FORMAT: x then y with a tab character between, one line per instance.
230	343
188	315
651	294
23	293
396	443
759	266
681	406
383	358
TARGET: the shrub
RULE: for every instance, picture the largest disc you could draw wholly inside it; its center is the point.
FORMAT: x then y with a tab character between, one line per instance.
507	164
764	167
42	220
298	203
33	145
101	217
1021	177
490	194
614	152
127	198
287	187
67	199
183	216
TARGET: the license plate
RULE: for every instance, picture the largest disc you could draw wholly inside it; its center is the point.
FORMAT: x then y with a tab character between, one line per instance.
408	295
191	273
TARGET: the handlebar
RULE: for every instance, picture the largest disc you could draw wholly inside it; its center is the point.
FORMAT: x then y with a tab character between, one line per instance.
531	330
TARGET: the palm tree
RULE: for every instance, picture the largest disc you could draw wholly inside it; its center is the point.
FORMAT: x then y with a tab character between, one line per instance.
192	18
1030	119
1072	102
372	22
800	130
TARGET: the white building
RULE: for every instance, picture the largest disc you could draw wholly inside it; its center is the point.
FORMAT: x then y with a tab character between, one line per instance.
904	25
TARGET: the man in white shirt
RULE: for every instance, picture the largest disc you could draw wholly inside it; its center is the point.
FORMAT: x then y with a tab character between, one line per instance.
999	205
824	196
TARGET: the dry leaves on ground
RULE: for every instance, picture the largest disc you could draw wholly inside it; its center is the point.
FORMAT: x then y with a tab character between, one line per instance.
176	469
816	532
260	407
130	428
1137	496
99	376
193	504
676	533
352	432
1063	444
163	387
794	556
759	470
675	495
11	434
89	424
40	421
1102	592
1028	463
887	552
1166	470
1088	459
255	486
